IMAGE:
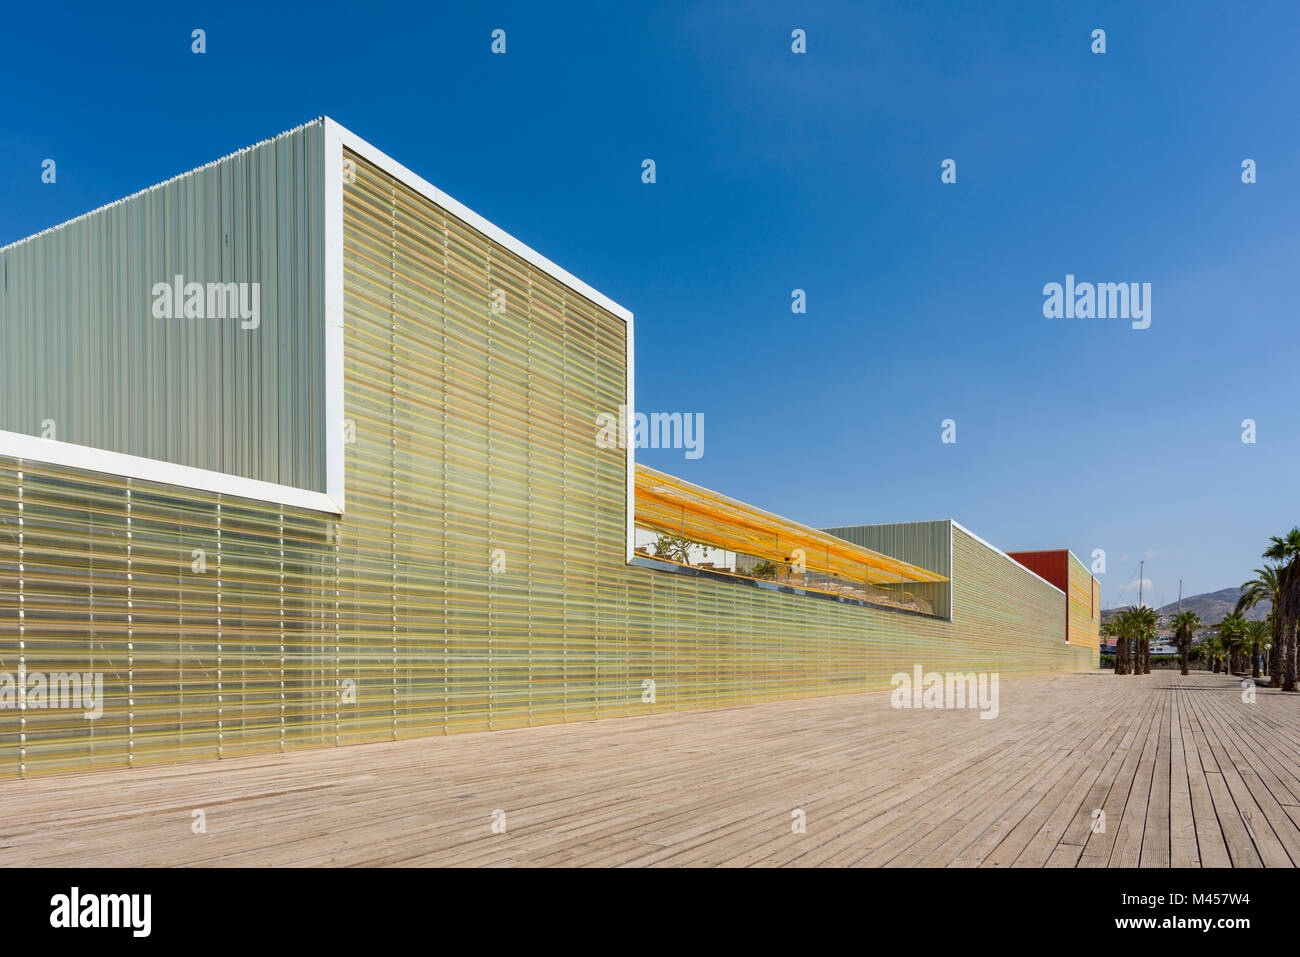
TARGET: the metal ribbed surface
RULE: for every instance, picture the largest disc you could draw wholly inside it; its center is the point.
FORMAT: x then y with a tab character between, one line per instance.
927	544
83	349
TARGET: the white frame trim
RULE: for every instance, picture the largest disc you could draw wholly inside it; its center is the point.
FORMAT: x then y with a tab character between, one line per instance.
495	233
630	441
952	576
335	412
994	548
52	452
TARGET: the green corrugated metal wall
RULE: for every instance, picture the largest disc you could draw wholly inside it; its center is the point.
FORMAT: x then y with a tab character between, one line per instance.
84	351
928	544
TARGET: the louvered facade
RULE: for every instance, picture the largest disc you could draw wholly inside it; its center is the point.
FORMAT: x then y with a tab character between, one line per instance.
387	513
1082	607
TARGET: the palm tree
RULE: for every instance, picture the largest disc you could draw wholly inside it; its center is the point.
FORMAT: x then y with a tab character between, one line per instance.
1220	646
1232	632
1122	627
1285	550
1111	629
1134	627
1185	623
1146	625
1257	634
1212	648
1265	586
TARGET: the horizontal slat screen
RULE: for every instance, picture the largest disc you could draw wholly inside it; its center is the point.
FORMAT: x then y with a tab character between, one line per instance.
478	579
1085	607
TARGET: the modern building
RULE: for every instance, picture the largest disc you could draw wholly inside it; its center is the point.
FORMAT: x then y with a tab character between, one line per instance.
297	450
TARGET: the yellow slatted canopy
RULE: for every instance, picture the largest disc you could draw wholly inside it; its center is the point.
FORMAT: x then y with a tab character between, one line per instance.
665	503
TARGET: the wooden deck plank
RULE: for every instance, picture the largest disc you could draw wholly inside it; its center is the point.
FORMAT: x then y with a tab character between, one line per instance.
1210	843
1232	826
1275	840
1126	848
1075	805
1183	850
1111	791
1187	773
1153	847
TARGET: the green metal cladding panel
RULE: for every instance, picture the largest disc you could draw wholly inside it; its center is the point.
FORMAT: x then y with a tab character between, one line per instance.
928	544
478	578
84	357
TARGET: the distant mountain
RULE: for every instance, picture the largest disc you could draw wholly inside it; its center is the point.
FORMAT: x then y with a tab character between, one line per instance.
1212	606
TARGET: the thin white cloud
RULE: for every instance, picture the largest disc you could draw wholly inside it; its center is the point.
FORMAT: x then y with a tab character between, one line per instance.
1133	586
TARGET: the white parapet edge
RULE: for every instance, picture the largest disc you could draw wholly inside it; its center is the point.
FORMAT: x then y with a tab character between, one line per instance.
68	454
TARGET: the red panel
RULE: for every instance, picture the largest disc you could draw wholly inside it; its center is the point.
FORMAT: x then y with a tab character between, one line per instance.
1053	565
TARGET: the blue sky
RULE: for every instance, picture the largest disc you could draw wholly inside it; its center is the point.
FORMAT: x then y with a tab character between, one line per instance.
819	171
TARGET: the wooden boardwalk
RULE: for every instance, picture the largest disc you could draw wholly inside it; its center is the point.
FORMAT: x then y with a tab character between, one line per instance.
1186	773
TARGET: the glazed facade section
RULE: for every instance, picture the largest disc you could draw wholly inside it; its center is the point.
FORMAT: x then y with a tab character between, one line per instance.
209	620
1085	606
305	631
1082	607
479	577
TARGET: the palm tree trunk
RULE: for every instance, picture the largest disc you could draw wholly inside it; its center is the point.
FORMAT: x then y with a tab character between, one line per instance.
1275	657
1288	657
1285	622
